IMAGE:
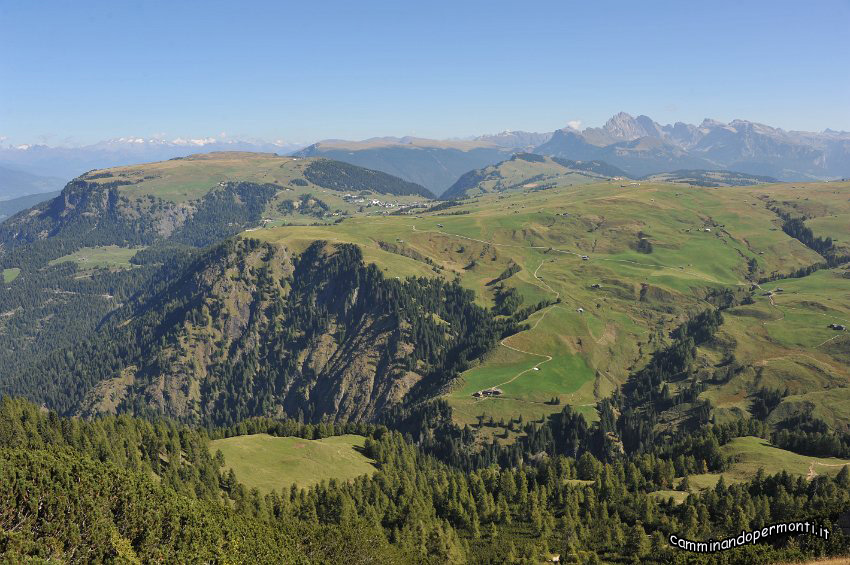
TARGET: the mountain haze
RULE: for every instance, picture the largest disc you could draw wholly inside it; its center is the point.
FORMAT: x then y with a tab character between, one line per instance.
69	162
435	165
642	146
17	183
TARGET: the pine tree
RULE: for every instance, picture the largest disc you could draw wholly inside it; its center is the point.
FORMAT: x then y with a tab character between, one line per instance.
638	542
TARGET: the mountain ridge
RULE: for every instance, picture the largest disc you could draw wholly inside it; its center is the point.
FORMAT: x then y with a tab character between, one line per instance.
642	146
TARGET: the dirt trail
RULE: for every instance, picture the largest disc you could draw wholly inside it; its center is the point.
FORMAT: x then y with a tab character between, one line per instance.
503	343
812	474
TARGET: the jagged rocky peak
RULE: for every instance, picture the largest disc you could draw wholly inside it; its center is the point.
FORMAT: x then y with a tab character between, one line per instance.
625	127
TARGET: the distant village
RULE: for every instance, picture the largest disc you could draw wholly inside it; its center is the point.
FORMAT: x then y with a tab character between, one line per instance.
368	202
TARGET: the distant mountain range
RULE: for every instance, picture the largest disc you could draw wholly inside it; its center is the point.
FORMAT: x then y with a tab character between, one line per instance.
638	145
70	162
16	183
14	205
641	146
531	171
434	164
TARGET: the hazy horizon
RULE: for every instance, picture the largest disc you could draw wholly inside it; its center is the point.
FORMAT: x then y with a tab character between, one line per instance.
224	137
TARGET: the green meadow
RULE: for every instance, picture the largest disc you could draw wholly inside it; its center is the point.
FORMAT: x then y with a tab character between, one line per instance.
273	463
94	257
10	274
749	454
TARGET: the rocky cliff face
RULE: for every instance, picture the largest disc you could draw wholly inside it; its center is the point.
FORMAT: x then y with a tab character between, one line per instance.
91	214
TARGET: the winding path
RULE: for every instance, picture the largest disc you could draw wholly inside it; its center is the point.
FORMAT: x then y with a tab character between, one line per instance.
539	283
812	473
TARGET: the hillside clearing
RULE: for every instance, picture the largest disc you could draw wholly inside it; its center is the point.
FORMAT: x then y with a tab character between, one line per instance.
273	463
10	274
752	453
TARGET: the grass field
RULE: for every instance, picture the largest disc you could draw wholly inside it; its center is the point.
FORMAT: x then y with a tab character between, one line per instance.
702	239
274	463
752	453
786	340
107	256
10	274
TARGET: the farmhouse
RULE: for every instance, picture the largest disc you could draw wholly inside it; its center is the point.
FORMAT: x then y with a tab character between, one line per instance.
487	392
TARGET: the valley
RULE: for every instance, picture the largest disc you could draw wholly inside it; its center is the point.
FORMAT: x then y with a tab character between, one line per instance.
702	241
424	283
300	309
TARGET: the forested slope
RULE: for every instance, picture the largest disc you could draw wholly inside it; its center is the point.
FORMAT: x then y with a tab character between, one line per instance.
129	490
250	329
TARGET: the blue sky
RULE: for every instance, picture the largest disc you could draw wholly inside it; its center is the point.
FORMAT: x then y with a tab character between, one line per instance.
79	72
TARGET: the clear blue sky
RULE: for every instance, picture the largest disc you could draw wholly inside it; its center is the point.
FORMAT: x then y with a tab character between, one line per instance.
79	72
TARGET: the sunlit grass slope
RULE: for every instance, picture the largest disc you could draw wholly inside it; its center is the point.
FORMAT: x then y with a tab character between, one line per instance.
274	463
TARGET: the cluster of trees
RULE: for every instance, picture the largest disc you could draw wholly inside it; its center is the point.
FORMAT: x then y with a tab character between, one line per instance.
224	212
135	491
643	245
797	228
336	175
808	435
509	271
764	400
444	205
306	204
55	307
409	252
507	300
